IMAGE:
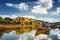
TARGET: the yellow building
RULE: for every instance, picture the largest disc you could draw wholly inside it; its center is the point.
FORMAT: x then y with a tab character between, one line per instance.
33	22
26	19
19	19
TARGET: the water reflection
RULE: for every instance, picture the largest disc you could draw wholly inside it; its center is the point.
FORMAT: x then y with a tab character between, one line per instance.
9	36
13	36
55	33
16	34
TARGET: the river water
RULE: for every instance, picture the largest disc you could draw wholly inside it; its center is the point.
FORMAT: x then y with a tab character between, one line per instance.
54	34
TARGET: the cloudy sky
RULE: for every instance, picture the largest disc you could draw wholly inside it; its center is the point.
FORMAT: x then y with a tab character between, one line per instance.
47	10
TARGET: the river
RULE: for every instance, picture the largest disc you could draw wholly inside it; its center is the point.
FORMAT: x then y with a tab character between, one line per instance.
54	34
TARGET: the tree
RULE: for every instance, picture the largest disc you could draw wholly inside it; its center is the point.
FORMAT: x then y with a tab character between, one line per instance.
1	19
29	23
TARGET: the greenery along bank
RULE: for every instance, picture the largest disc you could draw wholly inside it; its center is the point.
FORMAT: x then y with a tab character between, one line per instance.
19	20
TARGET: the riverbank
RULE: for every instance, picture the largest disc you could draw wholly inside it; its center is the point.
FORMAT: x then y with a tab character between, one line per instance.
20	29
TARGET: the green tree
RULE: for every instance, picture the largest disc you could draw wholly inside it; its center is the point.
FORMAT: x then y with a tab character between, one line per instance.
1	19
29	23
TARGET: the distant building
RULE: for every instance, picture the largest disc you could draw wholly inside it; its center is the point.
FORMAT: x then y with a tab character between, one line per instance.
8	19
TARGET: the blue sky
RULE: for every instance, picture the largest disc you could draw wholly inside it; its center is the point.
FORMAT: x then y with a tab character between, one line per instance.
47	10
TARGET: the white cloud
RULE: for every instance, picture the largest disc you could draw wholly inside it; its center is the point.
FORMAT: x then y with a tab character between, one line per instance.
21	6
3	16
9	4
33	17
43	19
58	0
57	12
54	13
49	19
42	7
12	16
39	10
46	3
29	16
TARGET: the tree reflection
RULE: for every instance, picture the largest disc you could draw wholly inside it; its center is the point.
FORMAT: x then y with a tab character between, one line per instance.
24	29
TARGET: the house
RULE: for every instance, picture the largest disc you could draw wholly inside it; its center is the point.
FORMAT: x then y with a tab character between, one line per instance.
7	20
